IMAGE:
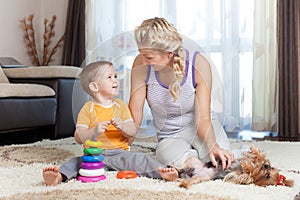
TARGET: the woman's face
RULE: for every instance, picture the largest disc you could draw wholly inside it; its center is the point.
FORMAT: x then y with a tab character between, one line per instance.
158	59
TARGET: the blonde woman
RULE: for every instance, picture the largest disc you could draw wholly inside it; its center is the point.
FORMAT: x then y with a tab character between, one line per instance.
177	86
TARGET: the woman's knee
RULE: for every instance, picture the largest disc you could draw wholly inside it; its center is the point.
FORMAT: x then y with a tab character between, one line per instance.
175	158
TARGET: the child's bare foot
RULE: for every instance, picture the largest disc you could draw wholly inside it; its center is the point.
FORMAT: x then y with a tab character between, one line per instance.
51	175
168	173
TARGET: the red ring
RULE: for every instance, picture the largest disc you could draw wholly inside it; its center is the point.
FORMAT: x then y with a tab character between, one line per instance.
126	174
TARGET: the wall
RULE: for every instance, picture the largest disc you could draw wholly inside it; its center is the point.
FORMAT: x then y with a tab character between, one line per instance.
11	33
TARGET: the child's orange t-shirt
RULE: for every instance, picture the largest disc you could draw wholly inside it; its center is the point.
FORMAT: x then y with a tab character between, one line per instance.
91	114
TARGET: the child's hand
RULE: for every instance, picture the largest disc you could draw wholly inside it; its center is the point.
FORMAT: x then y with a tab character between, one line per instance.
117	122
101	127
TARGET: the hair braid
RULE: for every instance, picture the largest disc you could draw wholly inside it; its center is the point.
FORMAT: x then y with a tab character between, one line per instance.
179	70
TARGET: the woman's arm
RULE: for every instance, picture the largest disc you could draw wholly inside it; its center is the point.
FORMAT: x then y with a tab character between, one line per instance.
138	90
133	127
203	77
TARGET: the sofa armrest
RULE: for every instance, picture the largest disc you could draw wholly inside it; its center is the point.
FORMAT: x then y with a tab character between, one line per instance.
42	72
68	92
71	98
25	90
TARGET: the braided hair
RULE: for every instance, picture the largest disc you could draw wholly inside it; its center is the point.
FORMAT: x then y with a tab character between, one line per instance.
157	33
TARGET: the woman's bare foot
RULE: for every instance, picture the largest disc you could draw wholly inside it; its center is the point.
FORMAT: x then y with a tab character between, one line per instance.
51	175
168	173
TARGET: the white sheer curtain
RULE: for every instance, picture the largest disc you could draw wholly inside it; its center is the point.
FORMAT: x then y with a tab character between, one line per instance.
264	113
224	29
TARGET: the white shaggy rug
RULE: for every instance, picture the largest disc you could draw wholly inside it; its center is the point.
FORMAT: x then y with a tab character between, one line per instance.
21	175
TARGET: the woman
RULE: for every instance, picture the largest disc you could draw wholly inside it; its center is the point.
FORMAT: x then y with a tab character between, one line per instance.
177	86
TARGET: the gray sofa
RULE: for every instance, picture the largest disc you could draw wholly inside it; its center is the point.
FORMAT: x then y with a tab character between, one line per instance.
33	98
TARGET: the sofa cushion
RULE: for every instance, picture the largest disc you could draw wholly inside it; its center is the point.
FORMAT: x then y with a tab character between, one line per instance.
25	90
3	78
43	72
23	113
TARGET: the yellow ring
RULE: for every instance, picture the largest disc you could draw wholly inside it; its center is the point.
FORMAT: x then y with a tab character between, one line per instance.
91	143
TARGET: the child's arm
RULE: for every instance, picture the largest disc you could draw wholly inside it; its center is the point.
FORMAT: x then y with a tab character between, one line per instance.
83	133
128	128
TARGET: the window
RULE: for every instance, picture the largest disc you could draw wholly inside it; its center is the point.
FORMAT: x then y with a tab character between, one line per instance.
223	29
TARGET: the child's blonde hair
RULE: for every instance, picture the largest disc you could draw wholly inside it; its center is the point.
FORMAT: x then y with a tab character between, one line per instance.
158	34
92	73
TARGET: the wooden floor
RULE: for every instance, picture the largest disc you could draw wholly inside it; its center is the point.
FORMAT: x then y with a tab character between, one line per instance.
253	135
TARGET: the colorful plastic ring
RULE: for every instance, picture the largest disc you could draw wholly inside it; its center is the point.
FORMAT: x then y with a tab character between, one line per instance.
92	151
91	179
92	158
92	165
91	172
126	174
91	143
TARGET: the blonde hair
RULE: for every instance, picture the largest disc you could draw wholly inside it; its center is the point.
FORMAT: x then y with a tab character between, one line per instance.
92	73
157	33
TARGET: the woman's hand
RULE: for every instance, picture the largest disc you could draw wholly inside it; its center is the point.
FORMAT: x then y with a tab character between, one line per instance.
225	156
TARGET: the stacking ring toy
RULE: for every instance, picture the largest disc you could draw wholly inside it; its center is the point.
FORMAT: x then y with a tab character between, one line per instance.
89	173
91	143
92	151
92	158
92	165
91	179
127	174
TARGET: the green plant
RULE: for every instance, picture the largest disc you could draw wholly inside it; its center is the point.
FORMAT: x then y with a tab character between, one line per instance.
48	35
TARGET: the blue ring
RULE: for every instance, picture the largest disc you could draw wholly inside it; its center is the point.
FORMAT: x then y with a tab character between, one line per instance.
98	158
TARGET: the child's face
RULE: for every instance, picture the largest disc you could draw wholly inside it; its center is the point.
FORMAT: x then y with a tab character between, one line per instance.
108	83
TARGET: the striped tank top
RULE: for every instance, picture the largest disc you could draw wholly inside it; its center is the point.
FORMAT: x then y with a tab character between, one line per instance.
171	117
